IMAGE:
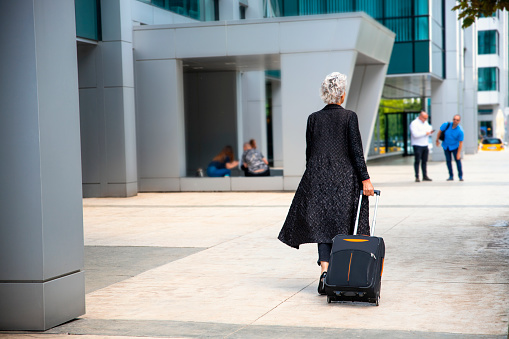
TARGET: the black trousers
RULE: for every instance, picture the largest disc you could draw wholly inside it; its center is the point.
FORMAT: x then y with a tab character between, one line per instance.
324	250
421	156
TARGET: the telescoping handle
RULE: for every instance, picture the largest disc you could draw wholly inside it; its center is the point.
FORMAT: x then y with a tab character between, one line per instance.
372	231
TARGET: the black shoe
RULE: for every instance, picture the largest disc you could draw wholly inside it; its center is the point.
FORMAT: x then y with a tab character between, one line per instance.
461	179
417	180
426	179
321	284
450	179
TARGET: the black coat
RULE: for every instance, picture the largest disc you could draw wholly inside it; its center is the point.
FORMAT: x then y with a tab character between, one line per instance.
325	203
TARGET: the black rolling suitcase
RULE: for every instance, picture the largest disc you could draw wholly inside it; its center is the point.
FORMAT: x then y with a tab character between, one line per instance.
356	265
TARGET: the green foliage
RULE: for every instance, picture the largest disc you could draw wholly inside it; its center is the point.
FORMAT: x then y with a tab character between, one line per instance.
472	9
400	105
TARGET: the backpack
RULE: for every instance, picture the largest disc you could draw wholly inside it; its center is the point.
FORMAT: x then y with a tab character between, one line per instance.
442	135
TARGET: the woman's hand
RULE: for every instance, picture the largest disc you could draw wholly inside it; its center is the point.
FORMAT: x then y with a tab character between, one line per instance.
367	187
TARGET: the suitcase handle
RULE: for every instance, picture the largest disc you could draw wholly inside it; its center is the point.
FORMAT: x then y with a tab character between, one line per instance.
372	230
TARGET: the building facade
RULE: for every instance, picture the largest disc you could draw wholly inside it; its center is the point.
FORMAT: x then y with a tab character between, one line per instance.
492	58
428	44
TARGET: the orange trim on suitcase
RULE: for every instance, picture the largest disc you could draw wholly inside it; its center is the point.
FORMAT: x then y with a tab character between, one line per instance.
356	240
349	265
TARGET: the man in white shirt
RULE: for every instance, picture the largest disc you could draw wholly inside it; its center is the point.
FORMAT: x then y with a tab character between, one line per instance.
420	131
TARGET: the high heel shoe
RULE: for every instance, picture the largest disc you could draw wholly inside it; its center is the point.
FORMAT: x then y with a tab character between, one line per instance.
321	284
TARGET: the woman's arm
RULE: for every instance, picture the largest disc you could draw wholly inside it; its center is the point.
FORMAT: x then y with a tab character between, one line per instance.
309	133
355	147
232	164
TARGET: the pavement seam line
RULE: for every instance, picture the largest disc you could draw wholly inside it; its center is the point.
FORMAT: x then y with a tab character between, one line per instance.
405	218
243	235
272	309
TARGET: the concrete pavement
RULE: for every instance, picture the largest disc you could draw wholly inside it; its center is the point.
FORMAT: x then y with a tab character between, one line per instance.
209	265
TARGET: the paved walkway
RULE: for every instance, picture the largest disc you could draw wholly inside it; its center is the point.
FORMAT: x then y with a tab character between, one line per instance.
208	265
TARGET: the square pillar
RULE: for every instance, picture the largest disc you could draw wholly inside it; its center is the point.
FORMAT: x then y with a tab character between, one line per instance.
277	124
254	121
160	124
364	98
108	126
41	238
301	77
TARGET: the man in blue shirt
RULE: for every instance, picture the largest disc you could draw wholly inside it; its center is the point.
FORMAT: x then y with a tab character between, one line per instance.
452	144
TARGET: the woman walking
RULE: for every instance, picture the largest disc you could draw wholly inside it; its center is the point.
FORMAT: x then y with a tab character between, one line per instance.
325	201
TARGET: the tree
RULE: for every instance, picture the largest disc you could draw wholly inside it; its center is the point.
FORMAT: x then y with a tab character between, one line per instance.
471	9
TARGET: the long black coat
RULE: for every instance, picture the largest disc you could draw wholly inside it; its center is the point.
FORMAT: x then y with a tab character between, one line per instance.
325	203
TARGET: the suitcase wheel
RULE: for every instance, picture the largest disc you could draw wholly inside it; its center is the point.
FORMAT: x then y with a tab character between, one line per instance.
376	300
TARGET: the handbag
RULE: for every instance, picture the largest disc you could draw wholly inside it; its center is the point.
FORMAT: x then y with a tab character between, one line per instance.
442	135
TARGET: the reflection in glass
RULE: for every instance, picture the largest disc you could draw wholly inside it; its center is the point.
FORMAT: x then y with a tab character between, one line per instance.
487	42
488	78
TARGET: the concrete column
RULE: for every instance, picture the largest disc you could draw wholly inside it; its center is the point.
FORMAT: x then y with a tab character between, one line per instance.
160	121
41	235
439	114
301	77
364	98
456	94
229	10
277	124
255	10
254	116
118	93
469	120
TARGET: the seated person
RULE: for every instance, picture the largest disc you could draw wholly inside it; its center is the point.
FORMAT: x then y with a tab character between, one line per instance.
222	163
253	162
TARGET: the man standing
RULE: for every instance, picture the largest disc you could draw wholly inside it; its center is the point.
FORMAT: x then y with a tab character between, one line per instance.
452	144
420	131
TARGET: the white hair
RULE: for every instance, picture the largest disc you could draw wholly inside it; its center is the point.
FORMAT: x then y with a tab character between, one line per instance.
333	88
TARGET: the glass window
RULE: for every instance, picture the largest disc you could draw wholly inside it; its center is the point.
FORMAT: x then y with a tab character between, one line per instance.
486	128
492	141
372	7
338	6
204	10
485	111
288	7
422	28
487	42
395	133
421	7
398	8
402	28
494	14
401	59
421	57
488	78
310	7
87	24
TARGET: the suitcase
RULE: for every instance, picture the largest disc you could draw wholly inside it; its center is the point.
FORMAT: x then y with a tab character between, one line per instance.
356	265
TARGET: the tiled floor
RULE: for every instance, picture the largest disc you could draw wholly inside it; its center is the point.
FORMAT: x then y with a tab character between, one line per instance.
210	265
